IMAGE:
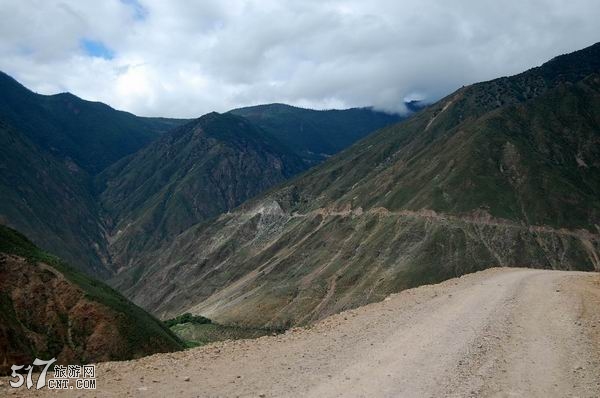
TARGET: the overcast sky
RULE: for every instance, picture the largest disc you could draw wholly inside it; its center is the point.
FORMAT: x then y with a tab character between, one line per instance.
186	58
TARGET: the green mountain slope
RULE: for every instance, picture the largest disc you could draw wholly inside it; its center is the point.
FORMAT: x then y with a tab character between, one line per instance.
316	135
91	134
45	198
198	171
500	173
50	310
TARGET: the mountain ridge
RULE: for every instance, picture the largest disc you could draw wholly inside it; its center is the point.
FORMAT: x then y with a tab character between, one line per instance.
198	171
315	135
90	133
51	148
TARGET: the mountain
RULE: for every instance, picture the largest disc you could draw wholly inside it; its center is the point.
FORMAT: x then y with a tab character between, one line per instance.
91	134
44	197
202	169
50	147
76	172
505	172
50	310
316	135
415	105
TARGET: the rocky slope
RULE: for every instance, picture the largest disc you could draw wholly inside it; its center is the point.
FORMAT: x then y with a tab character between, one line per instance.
500	173
198	171
316	135
49	310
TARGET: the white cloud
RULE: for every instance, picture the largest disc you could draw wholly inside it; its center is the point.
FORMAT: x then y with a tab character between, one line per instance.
183	58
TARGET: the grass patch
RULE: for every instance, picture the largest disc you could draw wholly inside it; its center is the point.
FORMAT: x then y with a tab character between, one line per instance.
199	334
187	318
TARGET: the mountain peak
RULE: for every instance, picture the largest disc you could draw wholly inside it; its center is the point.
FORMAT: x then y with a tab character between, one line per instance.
98	136
12	90
222	126
212	114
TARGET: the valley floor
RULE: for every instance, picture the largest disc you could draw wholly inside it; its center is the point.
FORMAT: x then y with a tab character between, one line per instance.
499	333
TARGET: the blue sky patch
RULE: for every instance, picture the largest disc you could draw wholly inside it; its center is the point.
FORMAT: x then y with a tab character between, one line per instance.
95	48
139	11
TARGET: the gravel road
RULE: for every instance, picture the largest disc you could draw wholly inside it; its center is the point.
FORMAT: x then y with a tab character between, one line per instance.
497	333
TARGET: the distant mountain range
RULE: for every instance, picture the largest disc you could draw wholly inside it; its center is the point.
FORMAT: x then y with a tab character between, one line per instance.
316	135
97	186
505	172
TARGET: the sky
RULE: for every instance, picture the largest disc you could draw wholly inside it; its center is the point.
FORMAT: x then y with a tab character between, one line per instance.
185	58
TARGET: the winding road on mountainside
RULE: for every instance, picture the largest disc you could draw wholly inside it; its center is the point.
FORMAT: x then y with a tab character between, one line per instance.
503	332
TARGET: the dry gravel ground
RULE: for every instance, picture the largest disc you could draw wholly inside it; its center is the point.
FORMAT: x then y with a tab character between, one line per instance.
497	333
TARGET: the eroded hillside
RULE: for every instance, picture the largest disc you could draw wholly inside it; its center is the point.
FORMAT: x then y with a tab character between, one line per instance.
504	172
48	310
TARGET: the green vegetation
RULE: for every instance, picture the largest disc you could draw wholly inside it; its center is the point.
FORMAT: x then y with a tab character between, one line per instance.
49	202
74	169
50	147
195	334
499	173
485	147
187	318
196	330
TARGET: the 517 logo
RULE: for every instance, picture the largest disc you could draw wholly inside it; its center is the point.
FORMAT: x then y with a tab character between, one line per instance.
85	376
41	382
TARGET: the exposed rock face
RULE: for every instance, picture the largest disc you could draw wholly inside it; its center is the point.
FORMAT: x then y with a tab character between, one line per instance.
54	314
486	177
49	310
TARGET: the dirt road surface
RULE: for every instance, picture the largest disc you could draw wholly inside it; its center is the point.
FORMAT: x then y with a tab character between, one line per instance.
497	333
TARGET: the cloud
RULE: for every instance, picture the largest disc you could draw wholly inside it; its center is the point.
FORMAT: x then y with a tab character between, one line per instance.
184	59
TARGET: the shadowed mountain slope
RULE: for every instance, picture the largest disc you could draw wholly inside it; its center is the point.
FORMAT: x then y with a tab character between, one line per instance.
50	148
56	146
91	134
50	201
